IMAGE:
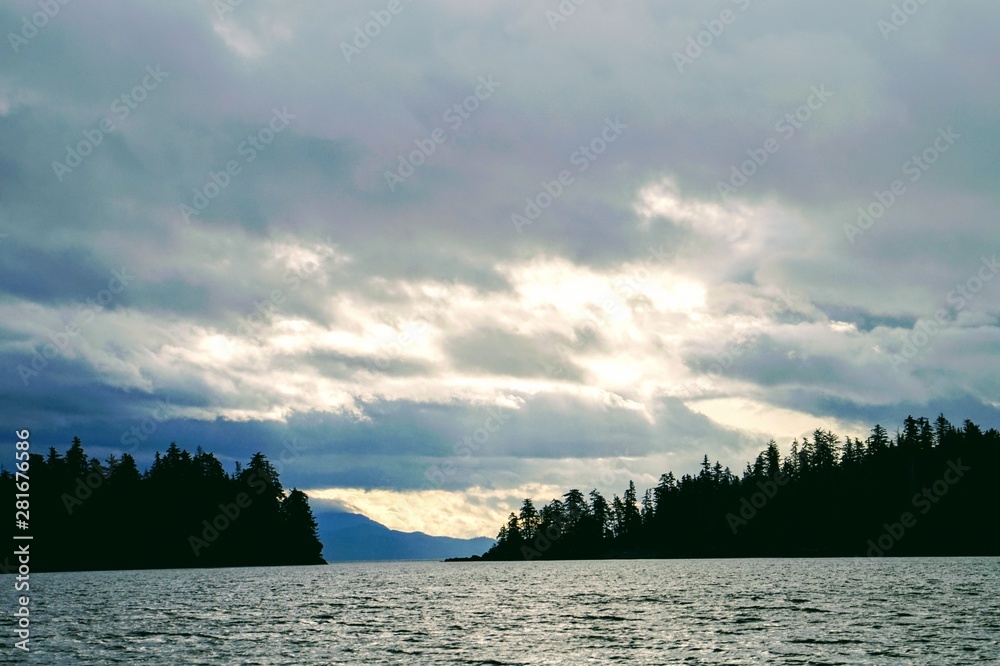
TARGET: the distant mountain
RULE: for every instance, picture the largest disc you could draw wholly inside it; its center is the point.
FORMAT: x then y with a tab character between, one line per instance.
351	536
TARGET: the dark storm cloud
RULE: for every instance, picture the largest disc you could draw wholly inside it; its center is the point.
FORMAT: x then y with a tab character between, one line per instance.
499	352
307	299
864	320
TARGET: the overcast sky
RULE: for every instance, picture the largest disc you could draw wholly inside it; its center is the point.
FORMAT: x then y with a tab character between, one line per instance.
438	258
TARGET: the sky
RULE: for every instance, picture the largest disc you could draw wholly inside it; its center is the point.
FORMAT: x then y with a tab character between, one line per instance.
435	257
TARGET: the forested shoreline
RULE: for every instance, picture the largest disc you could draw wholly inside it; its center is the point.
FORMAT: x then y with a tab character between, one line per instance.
928	490
184	511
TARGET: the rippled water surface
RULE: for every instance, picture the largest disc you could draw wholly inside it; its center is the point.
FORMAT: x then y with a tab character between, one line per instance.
878	611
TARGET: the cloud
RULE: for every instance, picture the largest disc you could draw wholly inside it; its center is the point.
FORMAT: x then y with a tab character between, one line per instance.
471	513
644	317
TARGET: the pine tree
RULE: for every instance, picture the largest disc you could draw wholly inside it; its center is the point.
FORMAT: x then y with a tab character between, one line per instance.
529	520
602	515
772	459
648	510
76	460
618	516
576	508
878	441
302	533
943	431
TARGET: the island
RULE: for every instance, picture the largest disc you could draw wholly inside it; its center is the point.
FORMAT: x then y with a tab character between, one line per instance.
184	511
927	491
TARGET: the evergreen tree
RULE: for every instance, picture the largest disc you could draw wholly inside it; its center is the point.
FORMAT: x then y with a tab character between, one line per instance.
529	520
632	518
554	514
602	516
647	508
772	458
943	431
663	492
878	441
618	517
925	434
125	471
302	533
830	500
911	433
825	445
76	464
177	514
576	508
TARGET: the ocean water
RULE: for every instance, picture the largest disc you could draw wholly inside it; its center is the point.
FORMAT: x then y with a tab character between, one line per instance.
754	611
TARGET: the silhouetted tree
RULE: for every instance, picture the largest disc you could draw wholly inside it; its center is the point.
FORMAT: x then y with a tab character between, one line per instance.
529	520
632	519
821	499
878	441
648	510
772	459
301	532
182	512
576	508
602	516
943	431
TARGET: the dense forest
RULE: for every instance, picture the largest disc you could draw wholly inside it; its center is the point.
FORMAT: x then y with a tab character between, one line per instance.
184	511
926	491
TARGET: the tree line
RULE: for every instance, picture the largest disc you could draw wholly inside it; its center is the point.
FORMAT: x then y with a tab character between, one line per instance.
927	490
184	511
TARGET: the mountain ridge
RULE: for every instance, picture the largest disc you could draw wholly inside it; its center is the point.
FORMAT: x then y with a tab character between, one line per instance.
353	537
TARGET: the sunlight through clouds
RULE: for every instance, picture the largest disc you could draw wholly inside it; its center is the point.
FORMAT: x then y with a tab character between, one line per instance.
644	314
471	513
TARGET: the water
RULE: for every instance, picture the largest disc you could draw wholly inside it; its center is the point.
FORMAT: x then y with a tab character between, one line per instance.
919	611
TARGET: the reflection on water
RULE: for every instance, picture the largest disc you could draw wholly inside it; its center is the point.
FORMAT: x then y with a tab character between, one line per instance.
764	611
